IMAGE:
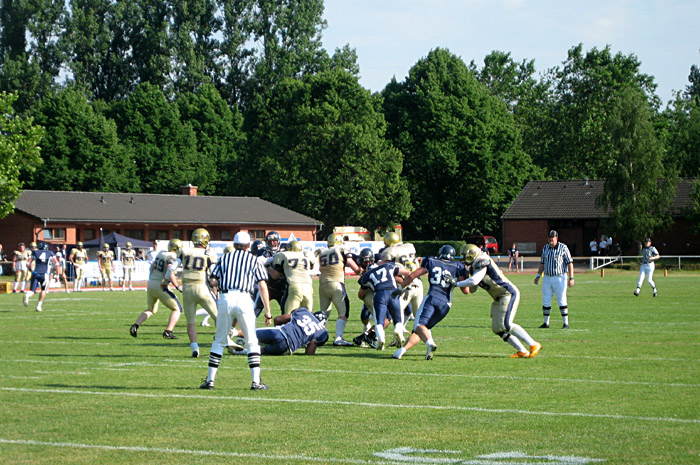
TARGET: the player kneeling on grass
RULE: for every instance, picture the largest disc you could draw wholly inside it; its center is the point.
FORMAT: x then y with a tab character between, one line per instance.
442	274
301	328
484	272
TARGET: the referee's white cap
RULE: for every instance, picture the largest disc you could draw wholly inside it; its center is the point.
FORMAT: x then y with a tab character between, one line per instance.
241	237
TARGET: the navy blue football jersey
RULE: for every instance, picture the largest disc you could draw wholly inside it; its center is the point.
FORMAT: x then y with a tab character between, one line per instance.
42	260
380	278
303	328
437	270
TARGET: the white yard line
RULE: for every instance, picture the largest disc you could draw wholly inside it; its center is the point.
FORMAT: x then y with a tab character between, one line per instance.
158	450
354	404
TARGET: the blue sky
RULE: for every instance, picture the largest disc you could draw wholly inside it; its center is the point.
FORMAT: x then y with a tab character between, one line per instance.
390	36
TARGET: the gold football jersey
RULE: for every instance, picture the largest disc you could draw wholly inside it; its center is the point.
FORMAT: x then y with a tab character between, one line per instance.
497	286
107	257
400	253
80	256
296	266
160	265
332	264
23	256
196	264
128	257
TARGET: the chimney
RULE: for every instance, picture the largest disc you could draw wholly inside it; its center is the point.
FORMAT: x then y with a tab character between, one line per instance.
189	190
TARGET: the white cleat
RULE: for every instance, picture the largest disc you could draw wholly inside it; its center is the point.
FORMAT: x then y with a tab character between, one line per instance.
26	300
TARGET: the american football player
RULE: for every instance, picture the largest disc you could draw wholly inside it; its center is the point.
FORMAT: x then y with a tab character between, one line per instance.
442	273
128	259
40	262
79	258
383	280
277	288
196	263
296	266
20	263
484	272
158	290
301	328
649	256
59	270
331	284
105	257
405	254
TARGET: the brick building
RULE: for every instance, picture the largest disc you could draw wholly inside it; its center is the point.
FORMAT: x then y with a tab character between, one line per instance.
570	208
61	217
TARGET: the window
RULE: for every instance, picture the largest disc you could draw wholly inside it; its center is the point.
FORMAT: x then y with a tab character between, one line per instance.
257	234
226	235
157	234
134	233
88	234
58	234
177	234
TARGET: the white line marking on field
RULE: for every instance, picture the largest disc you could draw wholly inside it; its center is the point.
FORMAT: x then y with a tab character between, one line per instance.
358	404
20	377
61	372
159	450
191	363
409	455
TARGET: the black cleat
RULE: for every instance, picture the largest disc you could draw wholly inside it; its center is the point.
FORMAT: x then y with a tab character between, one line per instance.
195	354
169	335
134	330
256	386
544	325
565	326
207	384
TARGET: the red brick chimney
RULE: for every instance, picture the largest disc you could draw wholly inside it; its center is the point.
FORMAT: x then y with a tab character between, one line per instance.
189	190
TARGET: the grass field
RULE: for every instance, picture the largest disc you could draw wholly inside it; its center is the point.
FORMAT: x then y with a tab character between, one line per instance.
622	386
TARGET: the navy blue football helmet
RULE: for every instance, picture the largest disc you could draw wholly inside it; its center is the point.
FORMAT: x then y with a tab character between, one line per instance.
321	317
447	252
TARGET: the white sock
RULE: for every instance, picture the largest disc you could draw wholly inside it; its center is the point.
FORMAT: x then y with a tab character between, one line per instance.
340	328
515	342
255	374
194	346
520	333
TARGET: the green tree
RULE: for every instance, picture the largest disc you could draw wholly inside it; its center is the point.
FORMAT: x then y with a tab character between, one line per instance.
639	188
30	58
463	158
682	118
219	132
574	143
163	146
81	149
97	49
19	152
196	49
317	146
265	41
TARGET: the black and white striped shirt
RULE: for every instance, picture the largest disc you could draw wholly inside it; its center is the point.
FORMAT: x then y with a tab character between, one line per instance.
238	271
555	259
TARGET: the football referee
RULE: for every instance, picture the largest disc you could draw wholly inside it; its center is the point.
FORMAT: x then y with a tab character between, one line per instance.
555	262
235	275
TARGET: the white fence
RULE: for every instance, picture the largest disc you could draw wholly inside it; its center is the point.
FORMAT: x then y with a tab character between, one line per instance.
602	261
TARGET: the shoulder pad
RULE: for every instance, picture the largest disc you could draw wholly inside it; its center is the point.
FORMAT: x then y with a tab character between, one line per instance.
481	262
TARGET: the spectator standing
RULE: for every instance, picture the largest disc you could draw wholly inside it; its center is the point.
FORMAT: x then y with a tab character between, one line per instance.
3	258
649	256
603	246
235	275
513	255
593	245
555	262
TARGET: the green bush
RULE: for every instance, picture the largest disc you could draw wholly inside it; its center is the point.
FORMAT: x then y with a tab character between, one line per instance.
431	248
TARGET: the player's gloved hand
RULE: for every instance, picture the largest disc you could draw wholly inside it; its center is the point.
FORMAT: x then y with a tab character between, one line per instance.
396	292
449	280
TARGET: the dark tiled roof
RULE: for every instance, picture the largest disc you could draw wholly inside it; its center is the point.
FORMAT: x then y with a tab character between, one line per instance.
77	207
574	199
